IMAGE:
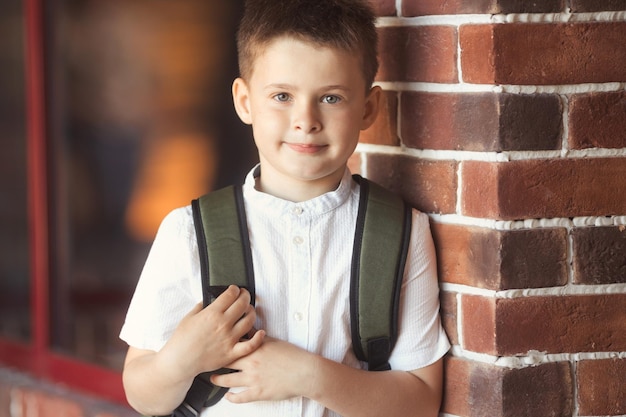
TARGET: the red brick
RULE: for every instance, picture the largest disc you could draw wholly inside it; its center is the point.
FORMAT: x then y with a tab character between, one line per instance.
429	186
597	120
530	122
476	389
449	316
479	332
601	387
544	188
467	255
599	255
422	53
551	324
438	7
481	121
585	6
544	390
472	389
384	131
452	121
525	6
500	260
384	7
480	191
354	163
533	258
478	59
570	53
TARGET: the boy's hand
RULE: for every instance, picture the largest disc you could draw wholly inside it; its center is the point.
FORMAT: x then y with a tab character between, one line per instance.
277	370
210	338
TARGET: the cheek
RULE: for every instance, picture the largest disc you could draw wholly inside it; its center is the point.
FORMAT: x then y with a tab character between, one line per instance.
269	120
349	125
266	125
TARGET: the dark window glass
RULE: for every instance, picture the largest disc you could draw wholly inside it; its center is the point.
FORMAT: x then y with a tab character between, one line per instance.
141	122
14	261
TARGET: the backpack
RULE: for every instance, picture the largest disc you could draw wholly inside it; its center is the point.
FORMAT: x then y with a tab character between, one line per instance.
380	249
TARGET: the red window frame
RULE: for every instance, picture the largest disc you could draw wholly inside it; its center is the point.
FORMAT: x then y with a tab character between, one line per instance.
37	356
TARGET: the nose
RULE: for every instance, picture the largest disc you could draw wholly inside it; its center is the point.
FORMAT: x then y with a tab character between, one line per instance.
306	117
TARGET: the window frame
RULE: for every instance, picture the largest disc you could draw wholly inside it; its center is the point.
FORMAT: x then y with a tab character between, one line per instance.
37	356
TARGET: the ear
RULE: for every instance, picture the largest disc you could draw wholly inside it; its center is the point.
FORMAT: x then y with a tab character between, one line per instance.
372	103
241	100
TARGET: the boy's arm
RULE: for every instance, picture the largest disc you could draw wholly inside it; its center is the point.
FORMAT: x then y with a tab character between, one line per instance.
206	339
150	387
279	370
354	392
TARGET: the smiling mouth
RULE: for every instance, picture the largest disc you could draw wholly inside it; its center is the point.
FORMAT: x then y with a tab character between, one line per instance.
306	147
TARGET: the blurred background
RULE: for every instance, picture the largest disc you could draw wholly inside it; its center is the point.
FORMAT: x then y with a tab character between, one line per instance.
139	122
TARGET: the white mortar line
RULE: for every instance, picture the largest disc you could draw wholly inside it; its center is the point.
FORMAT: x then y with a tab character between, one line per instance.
573	371
466	290
530	223
476	19
565	123
459	188
399	119
570	256
463	87
433	20
459	319
505	156
459	66
364	165
566	290
533	358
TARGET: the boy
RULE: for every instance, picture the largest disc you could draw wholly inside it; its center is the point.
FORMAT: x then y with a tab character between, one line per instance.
307	68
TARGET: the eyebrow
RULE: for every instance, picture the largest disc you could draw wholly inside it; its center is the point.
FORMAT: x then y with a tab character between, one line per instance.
282	86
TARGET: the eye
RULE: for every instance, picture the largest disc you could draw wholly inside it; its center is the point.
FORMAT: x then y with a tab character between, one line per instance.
281	97
331	99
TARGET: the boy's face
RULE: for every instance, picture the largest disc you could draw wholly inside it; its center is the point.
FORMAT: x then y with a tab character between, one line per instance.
307	105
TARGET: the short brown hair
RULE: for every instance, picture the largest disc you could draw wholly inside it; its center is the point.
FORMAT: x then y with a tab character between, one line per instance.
344	24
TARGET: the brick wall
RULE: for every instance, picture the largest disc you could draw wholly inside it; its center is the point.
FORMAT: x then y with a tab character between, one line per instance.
505	120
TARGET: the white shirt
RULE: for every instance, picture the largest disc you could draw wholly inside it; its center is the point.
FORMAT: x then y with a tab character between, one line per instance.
302	255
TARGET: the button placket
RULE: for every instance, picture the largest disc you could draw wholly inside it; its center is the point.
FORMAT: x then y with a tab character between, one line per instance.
300	277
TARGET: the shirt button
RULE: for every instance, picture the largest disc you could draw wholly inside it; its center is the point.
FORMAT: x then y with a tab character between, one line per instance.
298	240
298	316
297	210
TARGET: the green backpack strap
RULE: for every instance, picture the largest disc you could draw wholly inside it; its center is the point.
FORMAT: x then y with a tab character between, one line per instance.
381	245
223	243
225	259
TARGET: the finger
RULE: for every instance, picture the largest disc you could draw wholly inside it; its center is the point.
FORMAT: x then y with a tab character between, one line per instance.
239	307
242	397
245	323
227	298
246	347
228	380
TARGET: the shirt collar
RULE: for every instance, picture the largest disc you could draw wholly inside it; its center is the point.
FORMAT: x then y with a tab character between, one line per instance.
316	206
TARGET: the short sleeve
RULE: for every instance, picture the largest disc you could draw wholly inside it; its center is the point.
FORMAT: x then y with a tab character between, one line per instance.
168	287
421	337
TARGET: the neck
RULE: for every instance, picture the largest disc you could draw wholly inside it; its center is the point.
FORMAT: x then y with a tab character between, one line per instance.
294	189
